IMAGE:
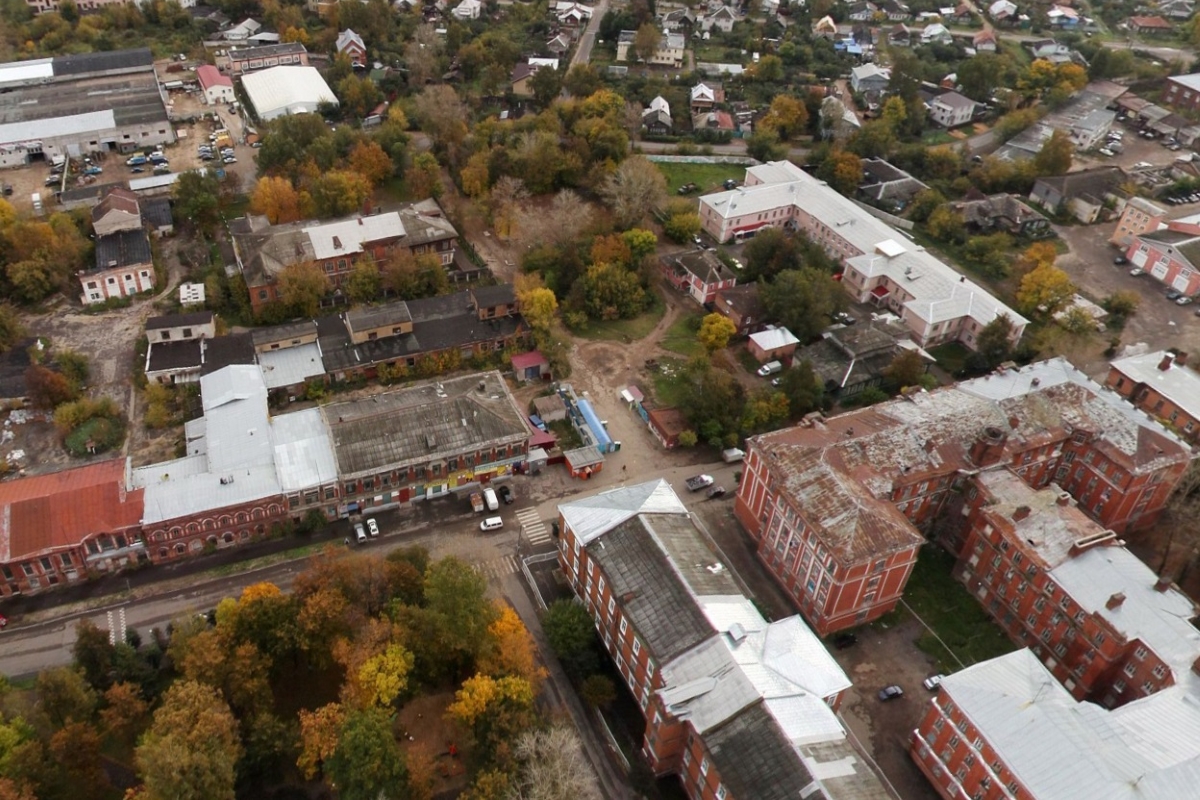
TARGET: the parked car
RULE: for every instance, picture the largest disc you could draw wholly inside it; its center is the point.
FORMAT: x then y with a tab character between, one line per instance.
93	171
1119	260
1174	294
769	368
715	492
1183	301
138	169
229	160
506	495
890	692
372	527
698	482
491	524
136	161
1137	271
1104	151
842	318
360	535
933	682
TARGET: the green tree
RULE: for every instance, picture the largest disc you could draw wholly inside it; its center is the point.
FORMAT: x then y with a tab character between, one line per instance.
1054	157
367	763
339	192
65	696
765	146
803	390
641	243
546	85
1044	291
715	332
457	594
11	329
197	196
424	178
681	228
93	654
598	691
769	69
993	345
572	636
301	287
787	116
365	283
713	401
908	368
192	749
1122	303
802	300
946	225
990	253
582	80
611	292
842	170
646	41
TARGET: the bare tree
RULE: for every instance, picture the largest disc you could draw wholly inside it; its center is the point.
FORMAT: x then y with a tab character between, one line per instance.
507	196
632	119
1182	522
567	218
636	189
554	767
443	116
422	54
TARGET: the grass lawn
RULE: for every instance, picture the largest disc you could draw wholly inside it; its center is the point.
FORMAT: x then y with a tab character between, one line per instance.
951	356
667	388
747	360
957	617
937	136
681	336
625	330
709	177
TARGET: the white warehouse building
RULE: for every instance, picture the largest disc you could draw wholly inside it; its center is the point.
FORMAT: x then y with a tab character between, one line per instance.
283	90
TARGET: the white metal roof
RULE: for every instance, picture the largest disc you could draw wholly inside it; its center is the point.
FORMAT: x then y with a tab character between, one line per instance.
774	338
185	487
26	71
594	516
278	88
304	456
291	366
1179	384
50	127
1191	81
344	237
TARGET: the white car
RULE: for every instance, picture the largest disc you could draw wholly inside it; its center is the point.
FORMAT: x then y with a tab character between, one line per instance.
933	682
491	524
359	534
1104	151
372	527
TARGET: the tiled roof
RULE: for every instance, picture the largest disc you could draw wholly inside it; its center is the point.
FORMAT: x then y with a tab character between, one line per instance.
62	509
501	294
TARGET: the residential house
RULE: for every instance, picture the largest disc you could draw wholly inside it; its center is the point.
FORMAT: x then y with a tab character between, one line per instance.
124	264
861	12
900	36
264	250
353	47
739	708
467	10
531	366
242	31
879	265
699	273
559	45
656	120
1152	26
886	185
705	96
520	79
722	19
426	440
742	306
713	120
1063	17
1004	213
825	28
1003	11
678	19
1183	91
252	59
1080	194
962	14
835	506
60	527
667	425
669	52
1139	216
952	109
894	11
936	33
1162	385
214	87
1050	50
869	78
1170	254
573	16
850	358
181	327
1177	10
772	344
984	41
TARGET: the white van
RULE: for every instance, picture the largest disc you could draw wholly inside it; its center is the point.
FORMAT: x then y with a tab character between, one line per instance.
489	497
359	533
769	368
491	524
732	455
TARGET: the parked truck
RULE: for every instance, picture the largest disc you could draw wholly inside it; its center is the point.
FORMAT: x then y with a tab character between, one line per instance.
698	482
477	501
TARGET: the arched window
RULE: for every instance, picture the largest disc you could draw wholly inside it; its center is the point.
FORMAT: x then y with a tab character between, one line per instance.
180	549
209	524
228	537
242	517
163	553
192	528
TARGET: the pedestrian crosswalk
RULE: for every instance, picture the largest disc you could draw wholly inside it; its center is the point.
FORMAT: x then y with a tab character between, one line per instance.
497	567
532	527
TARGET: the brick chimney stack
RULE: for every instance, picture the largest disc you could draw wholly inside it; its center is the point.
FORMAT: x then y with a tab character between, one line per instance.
1181	359
1165	364
1020	513
1162	584
1115	601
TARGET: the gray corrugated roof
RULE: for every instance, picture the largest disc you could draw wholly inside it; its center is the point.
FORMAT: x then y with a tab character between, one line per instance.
421	424
122	249
366	317
165	356
755	765
85	63
179	320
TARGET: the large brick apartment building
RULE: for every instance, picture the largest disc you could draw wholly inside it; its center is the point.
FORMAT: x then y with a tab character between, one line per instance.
738	708
839	507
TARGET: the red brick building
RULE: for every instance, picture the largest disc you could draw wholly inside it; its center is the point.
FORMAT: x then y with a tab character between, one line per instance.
738	707
56	528
1162	385
836	507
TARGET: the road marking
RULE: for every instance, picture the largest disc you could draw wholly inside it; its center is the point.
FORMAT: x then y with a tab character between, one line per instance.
535	530
497	567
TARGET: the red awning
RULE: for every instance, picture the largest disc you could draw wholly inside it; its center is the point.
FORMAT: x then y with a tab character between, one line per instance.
880	292
753	227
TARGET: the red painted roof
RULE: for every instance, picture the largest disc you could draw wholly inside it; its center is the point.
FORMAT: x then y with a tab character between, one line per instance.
525	360
881	291
62	509
208	75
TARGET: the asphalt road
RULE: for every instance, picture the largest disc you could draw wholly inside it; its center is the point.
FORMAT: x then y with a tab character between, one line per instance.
587	41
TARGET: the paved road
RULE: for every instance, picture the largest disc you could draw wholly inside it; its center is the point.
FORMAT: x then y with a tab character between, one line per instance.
586	42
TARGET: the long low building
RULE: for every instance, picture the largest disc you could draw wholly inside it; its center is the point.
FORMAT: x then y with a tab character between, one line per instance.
80	104
881	266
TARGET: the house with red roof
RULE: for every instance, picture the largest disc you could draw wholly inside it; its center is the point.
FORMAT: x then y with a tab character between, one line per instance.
215	87
56	528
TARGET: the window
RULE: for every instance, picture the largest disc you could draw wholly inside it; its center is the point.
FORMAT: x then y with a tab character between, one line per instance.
1160	671
1130	669
624	625
704	766
1139	653
720	792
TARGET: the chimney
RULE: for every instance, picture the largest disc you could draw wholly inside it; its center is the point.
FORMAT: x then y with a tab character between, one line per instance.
930	446
1014	422
988	448
1064	499
1162	584
1181	359
1115	601
1165	364
1021	513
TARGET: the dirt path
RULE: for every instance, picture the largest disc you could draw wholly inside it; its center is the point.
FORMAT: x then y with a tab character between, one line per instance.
609	366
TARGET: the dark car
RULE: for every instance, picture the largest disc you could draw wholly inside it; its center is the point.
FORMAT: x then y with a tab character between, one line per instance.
716	491
1174	294
844	640
890	692
505	494
1119	260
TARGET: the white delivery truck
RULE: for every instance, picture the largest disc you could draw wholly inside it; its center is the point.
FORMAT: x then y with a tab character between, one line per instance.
489	497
